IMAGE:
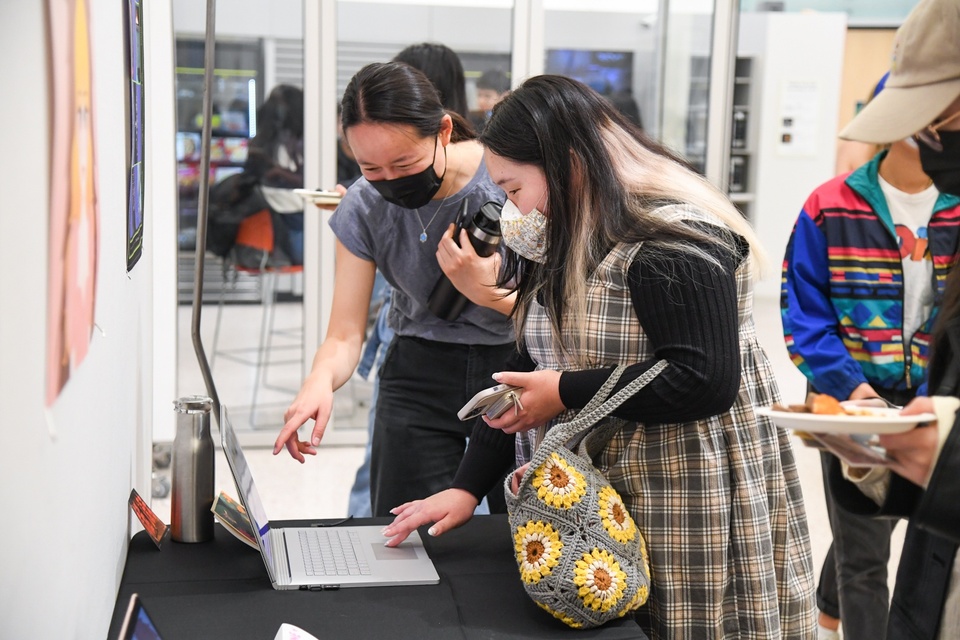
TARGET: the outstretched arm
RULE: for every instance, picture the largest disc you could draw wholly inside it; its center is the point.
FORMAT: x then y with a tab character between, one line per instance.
336	358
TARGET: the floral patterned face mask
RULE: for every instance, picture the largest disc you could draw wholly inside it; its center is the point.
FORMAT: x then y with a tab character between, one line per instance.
524	234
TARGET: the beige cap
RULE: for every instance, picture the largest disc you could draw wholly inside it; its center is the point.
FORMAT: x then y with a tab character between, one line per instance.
924	76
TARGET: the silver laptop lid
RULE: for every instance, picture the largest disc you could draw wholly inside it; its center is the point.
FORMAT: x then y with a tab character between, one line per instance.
248	491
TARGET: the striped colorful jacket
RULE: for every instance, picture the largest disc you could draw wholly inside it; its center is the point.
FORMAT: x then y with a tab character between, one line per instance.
841	298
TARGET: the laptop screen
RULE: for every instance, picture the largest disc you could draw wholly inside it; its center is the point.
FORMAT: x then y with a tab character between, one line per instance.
248	491
137	624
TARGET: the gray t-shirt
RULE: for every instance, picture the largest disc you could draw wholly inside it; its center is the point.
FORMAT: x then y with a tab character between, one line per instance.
388	235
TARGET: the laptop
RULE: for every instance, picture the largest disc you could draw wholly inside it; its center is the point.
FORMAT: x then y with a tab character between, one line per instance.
137	624
318	557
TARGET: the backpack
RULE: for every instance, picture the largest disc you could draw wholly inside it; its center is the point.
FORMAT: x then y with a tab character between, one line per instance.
231	201
262	242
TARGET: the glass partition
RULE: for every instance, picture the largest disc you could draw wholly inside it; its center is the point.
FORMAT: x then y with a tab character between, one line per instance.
650	57
686	81
237	91
252	316
612	46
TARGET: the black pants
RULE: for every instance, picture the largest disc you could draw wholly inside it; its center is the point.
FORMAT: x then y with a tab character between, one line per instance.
418	441
853	580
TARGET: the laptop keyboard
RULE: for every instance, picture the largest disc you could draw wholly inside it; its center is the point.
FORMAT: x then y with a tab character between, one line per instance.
332	552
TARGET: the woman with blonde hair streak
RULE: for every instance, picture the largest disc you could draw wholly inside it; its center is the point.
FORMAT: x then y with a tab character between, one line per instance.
623	255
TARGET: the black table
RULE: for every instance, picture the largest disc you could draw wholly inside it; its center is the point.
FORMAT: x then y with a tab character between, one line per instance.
220	589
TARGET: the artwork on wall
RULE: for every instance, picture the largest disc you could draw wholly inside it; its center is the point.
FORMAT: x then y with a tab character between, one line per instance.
134	41
74	216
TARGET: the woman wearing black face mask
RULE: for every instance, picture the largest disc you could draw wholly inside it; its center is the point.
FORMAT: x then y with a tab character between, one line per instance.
419	164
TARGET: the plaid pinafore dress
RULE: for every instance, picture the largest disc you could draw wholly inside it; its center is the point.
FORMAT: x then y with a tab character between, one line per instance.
718	500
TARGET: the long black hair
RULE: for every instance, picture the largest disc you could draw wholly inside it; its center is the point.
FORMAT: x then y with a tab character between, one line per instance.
443	68
604	178
396	93
279	124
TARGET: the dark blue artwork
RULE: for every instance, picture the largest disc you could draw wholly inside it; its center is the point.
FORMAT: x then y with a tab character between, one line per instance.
136	173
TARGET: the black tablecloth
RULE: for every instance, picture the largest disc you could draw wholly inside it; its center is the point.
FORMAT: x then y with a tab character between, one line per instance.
220	589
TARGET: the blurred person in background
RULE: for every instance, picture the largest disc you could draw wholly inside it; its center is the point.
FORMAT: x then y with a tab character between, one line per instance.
492	86
853	154
275	158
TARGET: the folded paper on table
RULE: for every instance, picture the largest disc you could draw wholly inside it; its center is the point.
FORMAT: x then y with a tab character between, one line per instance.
233	517
152	524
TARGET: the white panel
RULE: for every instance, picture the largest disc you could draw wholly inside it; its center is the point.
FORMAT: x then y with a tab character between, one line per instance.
66	489
783	182
320	65
722	54
160	221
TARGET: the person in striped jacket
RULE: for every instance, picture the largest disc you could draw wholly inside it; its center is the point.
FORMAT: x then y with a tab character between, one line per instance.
863	278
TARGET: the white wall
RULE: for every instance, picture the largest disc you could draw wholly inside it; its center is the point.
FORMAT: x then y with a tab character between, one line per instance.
782	44
65	474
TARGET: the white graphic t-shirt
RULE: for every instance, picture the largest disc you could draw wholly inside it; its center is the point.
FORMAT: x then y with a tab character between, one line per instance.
911	212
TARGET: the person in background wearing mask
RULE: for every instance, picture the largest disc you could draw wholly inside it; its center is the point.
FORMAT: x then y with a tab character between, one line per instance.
620	254
419	163
922	100
862	279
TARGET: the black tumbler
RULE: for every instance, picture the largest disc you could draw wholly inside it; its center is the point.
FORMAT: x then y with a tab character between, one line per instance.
483	227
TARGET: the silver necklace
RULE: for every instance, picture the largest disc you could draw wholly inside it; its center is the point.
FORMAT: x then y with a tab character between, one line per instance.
423	234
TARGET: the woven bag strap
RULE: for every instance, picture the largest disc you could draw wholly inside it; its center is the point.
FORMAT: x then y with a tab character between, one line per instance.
599	407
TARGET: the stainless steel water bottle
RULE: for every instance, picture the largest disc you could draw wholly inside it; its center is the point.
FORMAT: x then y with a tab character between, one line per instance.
483	229
192	493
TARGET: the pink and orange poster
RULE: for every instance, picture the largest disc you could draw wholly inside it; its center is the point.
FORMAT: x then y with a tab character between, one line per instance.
74	215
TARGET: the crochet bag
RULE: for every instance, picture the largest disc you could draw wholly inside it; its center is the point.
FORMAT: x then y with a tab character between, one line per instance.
580	554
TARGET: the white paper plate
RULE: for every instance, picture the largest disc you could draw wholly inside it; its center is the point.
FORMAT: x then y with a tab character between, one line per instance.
879	421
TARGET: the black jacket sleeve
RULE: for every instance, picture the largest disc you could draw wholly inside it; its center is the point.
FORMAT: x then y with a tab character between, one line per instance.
901	500
936	509
490	454
939	508
687	306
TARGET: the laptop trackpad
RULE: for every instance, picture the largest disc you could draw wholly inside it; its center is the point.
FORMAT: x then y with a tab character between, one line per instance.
403	552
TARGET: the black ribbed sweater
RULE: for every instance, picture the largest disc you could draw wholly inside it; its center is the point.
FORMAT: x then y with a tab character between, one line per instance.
687	307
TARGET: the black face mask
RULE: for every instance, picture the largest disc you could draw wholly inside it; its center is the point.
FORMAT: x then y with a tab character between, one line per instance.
943	167
413	191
